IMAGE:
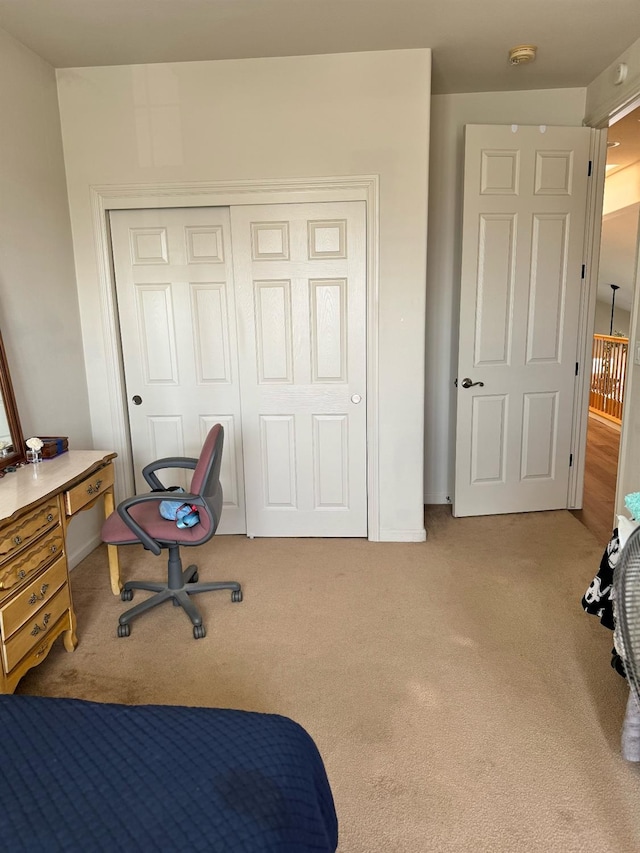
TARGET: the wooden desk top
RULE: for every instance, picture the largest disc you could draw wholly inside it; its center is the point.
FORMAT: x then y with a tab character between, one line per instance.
32	483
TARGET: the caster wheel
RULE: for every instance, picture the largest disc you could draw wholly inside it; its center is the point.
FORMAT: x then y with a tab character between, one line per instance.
194	579
124	630
236	595
199	631
126	594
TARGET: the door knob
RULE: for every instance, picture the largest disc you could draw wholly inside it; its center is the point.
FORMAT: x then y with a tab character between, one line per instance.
467	383
356	398
137	399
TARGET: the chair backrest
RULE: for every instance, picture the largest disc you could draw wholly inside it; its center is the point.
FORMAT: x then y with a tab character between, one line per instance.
206	476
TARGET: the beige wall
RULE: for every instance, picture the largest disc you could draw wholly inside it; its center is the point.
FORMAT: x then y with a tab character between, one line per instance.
292	117
39	313
605	97
449	114
622	319
622	189
629	459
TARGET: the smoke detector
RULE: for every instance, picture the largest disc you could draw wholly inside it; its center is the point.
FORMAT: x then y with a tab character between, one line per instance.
522	54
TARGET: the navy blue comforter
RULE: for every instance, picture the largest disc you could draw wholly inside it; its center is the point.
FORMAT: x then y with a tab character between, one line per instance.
84	776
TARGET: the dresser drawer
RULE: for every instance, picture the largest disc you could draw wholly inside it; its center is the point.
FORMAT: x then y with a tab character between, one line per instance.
28	527
88	490
36	595
36	628
32	559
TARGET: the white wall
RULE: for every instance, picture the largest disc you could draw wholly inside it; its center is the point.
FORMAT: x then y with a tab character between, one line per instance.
39	313
605	97
449	114
345	114
622	189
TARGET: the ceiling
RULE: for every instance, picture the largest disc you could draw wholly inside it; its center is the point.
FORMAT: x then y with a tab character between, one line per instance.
576	39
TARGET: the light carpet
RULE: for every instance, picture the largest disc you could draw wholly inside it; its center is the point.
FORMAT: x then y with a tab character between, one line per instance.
460	697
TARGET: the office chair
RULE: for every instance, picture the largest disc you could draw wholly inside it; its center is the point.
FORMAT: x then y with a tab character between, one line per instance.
138	520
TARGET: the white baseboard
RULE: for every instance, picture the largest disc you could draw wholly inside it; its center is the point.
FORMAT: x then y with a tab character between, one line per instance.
80	553
437	498
403	535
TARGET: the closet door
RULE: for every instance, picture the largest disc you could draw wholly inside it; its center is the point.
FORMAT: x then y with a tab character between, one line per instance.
300	280
177	321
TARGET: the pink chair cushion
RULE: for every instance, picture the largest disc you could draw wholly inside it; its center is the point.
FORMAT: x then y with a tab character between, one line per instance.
147	514
197	481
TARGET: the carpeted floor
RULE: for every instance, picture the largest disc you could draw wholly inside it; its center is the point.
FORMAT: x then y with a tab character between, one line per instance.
460	697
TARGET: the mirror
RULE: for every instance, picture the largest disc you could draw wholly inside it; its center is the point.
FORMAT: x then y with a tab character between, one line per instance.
13	451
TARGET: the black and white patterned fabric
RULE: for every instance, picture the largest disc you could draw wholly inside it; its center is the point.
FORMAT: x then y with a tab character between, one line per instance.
598	599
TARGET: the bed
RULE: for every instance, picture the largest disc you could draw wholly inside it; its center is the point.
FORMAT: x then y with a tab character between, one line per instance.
86	776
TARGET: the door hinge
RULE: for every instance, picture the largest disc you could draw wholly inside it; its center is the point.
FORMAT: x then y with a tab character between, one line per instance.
584	271
590	168
571	460
577	368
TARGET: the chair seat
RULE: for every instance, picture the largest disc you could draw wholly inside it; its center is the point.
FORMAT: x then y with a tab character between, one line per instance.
116	532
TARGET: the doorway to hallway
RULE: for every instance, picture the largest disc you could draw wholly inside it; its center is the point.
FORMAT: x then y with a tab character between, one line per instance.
600	475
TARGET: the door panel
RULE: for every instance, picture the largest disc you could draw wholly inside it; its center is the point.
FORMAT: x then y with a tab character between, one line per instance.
523	232
177	321
300	278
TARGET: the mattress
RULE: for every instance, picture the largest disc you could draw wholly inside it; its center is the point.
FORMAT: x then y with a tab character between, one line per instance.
85	776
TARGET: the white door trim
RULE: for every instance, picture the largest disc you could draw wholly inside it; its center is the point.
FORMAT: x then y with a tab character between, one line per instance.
591	254
230	193
615	108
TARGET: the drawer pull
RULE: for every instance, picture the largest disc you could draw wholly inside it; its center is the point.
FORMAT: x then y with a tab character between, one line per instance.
22	574
36	628
50	517
43	590
42	650
94	488
53	549
17	540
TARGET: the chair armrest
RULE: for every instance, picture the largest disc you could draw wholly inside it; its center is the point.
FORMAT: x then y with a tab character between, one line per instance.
144	537
167	462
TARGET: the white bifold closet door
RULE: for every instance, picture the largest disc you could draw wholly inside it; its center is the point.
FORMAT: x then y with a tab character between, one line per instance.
254	318
299	272
177	326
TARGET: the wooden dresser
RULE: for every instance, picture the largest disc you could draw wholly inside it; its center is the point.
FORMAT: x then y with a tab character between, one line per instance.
36	505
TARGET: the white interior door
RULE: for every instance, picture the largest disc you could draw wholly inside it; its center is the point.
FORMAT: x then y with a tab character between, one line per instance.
300	279
177	321
525	196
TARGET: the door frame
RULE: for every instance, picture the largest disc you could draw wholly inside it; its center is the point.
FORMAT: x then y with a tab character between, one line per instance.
599	121
584	342
231	194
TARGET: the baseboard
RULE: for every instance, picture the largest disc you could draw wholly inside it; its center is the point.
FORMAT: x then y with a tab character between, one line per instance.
611	424
80	553
436	498
403	535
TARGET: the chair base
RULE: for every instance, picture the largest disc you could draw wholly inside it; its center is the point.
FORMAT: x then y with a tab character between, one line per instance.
178	594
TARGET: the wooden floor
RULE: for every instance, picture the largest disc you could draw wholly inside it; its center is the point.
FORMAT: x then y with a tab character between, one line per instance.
603	446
